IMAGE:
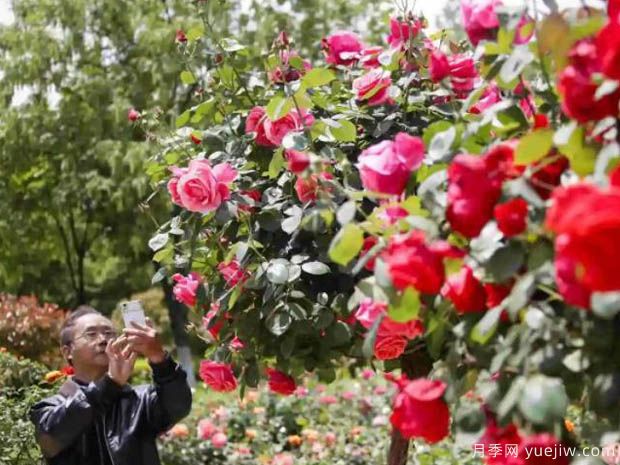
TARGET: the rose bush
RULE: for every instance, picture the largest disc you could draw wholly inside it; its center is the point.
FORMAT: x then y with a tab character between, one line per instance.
468	197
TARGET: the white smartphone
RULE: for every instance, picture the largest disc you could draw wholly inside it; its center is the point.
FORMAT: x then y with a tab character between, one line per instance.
133	311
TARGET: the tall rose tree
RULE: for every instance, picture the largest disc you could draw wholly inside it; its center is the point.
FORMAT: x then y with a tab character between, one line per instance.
446	212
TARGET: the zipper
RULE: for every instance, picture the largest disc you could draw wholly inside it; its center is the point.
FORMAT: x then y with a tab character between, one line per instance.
105	440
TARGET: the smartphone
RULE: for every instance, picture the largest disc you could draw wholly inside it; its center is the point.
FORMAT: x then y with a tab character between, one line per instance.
133	311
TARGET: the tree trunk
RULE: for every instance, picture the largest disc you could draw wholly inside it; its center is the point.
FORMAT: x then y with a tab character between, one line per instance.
413	365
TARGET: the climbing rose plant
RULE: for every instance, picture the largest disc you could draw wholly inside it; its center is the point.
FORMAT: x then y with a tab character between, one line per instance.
446	211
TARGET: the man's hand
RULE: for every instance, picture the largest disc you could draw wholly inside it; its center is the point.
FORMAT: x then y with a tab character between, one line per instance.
145	341
121	360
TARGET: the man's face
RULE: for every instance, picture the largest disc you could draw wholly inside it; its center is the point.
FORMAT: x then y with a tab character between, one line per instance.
91	334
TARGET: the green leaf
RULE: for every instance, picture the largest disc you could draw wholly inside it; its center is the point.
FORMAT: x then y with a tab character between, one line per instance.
346	244
315	268
187	77
441	143
368	348
515	64
605	305
159	276
295	141
276	164
534	146
231	45
505	262
407	307
195	33
278	107
278	323
277	273
182	118
344	132
582	157
346	212
338	334
543	400
485	328
318	77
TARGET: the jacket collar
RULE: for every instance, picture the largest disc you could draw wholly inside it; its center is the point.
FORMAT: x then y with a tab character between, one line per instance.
70	387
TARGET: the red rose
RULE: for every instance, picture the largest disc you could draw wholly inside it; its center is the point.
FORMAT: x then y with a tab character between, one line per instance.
613	9
496	293
369	243
133	115
232	272
578	88
186	287
547	175
389	347
180	36
586	221
308	188
280	383
255	122
501	436
511	217
608	49
419	410
214	329
253	194
490	96
412	262
342	48
297	161
465	291
474	186
218	376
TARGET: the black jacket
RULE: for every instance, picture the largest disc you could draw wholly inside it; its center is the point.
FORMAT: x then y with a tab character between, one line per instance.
103	423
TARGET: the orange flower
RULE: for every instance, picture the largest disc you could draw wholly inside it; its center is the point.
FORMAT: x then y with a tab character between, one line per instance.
570	426
294	440
310	435
53	376
250	434
180	430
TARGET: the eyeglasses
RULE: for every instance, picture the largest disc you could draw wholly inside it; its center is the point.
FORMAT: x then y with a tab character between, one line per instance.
92	335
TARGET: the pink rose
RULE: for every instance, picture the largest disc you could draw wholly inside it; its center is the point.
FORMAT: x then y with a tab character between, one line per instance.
373	87
463	75
219	440
525	30
201	188
490	96
236	344
297	161
386	167
393	214
276	130
330	438
370	57
367	373
439	67
283	458
480	19
255	123
403	31
328	400
389	347
368	312
206	429
285	72
342	48
232	272
218	376
186	287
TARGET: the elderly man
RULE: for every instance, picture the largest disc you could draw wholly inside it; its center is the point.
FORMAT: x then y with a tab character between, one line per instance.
97	418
